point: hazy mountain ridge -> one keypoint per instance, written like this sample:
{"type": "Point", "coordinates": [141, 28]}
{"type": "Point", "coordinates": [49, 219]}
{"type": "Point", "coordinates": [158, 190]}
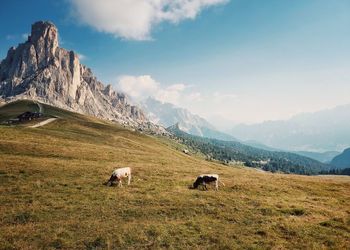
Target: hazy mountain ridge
{"type": "Point", "coordinates": [39, 69]}
{"type": "Point", "coordinates": [342, 160]}
{"type": "Point", "coordinates": [327, 130]}
{"type": "Point", "coordinates": [324, 157]}
{"type": "Point", "coordinates": [167, 114]}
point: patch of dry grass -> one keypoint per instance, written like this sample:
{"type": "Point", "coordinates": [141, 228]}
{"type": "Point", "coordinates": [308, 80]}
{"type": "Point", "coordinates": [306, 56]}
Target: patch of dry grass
{"type": "Point", "coordinates": [52, 196]}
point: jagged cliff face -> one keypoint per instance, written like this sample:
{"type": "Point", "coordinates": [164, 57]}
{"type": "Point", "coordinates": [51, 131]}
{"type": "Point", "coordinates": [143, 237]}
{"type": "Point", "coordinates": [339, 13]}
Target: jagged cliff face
{"type": "Point", "coordinates": [40, 70]}
{"type": "Point", "coordinates": [167, 114]}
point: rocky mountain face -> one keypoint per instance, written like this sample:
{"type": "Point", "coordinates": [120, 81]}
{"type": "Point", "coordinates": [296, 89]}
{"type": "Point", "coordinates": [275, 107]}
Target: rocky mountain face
{"type": "Point", "coordinates": [40, 70]}
{"type": "Point", "coordinates": [167, 114]}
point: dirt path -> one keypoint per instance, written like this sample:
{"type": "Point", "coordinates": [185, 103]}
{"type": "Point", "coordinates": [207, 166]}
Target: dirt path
{"type": "Point", "coordinates": [43, 123]}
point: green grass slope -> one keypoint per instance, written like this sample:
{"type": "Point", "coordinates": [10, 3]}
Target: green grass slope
{"type": "Point", "coordinates": [12, 110]}
{"type": "Point", "coordinates": [52, 195]}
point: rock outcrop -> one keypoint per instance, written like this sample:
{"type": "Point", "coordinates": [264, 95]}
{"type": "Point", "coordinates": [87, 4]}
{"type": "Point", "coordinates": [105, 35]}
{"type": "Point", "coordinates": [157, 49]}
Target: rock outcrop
{"type": "Point", "coordinates": [40, 70]}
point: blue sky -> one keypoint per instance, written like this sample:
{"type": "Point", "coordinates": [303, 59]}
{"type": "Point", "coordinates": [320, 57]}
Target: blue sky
{"type": "Point", "coordinates": [229, 61]}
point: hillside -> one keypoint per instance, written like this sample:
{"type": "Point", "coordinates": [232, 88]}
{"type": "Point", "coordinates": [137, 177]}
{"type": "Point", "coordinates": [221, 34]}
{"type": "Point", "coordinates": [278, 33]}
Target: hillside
{"type": "Point", "coordinates": [13, 109]}
{"type": "Point", "coordinates": [342, 160]}
{"type": "Point", "coordinates": [231, 151]}
{"type": "Point", "coordinates": [52, 194]}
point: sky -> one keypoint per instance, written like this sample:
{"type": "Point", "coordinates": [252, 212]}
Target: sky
{"type": "Point", "coordinates": [230, 61]}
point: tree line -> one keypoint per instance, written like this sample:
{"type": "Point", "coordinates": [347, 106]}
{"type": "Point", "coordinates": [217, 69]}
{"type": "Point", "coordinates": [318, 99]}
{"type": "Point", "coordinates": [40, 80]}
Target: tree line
{"type": "Point", "coordinates": [232, 151]}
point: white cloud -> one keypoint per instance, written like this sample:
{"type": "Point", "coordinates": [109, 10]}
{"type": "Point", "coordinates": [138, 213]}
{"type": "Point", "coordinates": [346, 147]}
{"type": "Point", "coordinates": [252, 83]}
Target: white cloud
{"type": "Point", "coordinates": [138, 87]}
{"type": "Point", "coordinates": [10, 37]}
{"type": "Point", "coordinates": [141, 87]}
{"type": "Point", "coordinates": [227, 105]}
{"type": "Point", "coordinates": [25, 36]}
{"type": "Point", "coordinates": [197, 96]}
{"type": "Point", "coordinates": [134, 19]}
{"type": "Point", "coordinates": [81, 57]}
{"type": "Point", "coordinates": [177, 87]}
{"type": "Point", "coordinates": [224, 96]}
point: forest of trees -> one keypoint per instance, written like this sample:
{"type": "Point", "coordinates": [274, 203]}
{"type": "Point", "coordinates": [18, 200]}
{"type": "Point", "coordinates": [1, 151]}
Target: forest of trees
{"type": "Point", "coordinates": [228, 151]}
{"type": "Point", "coordinates": [345, 171]}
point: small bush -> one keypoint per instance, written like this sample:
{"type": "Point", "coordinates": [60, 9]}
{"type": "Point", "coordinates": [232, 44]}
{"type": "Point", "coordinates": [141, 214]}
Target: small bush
{"type": "Point", "coordinates": [267, 211]}
{"type": "Point", "coordinates": [57, 244]}
{"type": "Point", "coordinates": [261, 233]}
{"type": "Point", "coordinates": [294, 211]}
{"type": "Point", "coordinates": [337, 223]}
{"type": "Point", "coordinates": [326, 224]}
{"type": "Point", "coordinates": [23, 218]}
{"type": "Point", "coordinates": [98, 243]}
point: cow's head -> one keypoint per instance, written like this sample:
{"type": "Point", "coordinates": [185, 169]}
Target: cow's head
{"type": "Point", "coordinates": [198, 181]}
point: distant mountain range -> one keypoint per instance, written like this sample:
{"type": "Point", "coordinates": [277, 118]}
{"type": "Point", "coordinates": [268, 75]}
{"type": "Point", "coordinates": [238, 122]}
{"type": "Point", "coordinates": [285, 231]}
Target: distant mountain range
{"type": "Point", "coordinates": [167, 114]}
{"type": "Point", "coordinates": [342, 161]}
{"type": "Point", "coordinates": [325, 157]}
{"type": "Point", "coordinates": [322, 131]}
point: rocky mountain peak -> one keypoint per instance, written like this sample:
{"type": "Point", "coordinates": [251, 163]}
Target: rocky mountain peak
{"type": "Point", "coordinates": [44, 30]}
{"type": "Point", "coordinates": [40, 70]}
{"type": "Point", "coordinates": [44, 38]}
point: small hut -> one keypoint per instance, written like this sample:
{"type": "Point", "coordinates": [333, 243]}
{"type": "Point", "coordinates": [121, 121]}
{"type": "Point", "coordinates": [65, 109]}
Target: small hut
{"type": "Point", "coordinates": [28, 116]}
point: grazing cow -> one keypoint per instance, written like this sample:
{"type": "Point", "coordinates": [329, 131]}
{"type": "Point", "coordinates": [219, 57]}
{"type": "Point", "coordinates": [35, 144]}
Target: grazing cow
{"type": "Point", "coordinates": [205, 179]}
{"type": "Point", "coordinates": [186, 151]}
{"type": "Point", "coordinates": [118, 174]}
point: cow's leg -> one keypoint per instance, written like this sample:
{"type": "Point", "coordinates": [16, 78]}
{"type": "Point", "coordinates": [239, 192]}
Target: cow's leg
{"type": "Point", "coordinates": [129, 179]}
{"type": "Point", "coordinates": [216, 185]}
{"type": "Point", "coordinates": [120, 184]}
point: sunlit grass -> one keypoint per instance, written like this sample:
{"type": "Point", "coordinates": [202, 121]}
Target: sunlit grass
{"type": "Point", "coordinates": [52, 196]}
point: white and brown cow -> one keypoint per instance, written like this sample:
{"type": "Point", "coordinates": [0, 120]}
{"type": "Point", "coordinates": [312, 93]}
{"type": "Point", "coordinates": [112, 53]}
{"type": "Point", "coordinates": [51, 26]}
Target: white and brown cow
{"type": "Point", "coordinates": [119, 174]}
{"type": "Point", "coordinates": [205, 179]}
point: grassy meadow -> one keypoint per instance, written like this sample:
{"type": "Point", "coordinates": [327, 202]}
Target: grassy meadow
{"type": "Point", "coordinates": [52, 195]}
